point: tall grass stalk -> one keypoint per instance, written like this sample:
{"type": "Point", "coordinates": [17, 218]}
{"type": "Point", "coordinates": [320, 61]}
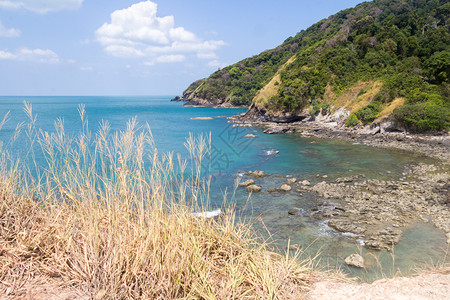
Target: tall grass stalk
{"type": "Point", "coordinates": [112, 217]}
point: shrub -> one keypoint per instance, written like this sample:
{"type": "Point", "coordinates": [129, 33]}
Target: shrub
{"type": "Point", "coordinates": [351, 121]}
{"type": "Point", "coordinates": [369, 112]}
{"type": "Point", "coordinates": [315, 108]}
{"type": "Point", "coordinates": [421, 117]}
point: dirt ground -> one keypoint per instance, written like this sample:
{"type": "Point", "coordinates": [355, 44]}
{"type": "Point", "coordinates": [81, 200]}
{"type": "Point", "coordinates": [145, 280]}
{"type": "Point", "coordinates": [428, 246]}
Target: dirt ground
{"type": "Point", "coordinates": [428, 285]}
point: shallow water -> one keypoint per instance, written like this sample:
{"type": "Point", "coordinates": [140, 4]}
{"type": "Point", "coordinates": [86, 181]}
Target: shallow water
{"type": "Point", "coordinates": [233, 154]}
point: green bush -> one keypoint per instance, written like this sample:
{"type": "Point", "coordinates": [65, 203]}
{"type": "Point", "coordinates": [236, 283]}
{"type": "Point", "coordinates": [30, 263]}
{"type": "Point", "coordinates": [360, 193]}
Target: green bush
{"type": "Point", "coordinates": [325, 108]}
{"type": "Point", "coordinates": [315, 108]}
{"type": "Point", "coordinates": [369, 112]}
{"type": "Point", "coordinates": [351, 121]}
{"type": "Point", "coordinates": [421, 117]}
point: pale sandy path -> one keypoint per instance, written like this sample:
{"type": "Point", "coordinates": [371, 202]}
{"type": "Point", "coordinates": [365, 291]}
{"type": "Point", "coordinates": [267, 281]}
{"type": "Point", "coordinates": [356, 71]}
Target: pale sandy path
{"type": "Point", "coordinates": [425, 286]}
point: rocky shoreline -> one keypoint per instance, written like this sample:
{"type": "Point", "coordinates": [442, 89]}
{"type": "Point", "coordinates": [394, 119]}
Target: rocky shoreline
{"type": "Point", "coordinates": [382, 135]}
{"type": "Point", "coordinates": [374, 212]}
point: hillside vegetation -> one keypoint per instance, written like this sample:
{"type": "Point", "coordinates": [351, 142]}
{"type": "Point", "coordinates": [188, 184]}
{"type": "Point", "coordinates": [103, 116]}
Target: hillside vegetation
{"type": "Point", "coordinates": [400, 49]}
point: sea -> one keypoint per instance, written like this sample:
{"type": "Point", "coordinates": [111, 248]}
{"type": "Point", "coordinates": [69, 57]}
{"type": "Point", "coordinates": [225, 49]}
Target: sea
{"type": "Point", "coordinates": [233, 153]}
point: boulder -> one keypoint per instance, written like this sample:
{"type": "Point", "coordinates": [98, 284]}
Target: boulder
{"type": "Point", "coordinates": [247, 183]}
{"type": "Point", "coordinates": [285, 188]}
{"type": "Point", "coordinates": [294, 211]}
{"type": "Point", "coordinates": [354, 260]}
{"type": "Point", "coordinates": [254, 188]}
{"type": "Point", "coordinates": [291, 180]}
{"type": "Point", "coordinates": [306, 183]}
{"type": "Point", "coordinates": [250, 135]}
{"type": "Point", "coordinates": [257, 173]}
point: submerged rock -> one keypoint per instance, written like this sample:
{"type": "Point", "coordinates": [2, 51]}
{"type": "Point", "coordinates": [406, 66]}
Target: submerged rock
{"type": "Point", "coordinates": [254, 188]}
{"type": "Point", "coordinates": [202, 118]}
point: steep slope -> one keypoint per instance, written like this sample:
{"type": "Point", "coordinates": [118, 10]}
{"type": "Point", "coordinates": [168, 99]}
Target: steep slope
{"type": "Point", "coordinates": [381, 59]}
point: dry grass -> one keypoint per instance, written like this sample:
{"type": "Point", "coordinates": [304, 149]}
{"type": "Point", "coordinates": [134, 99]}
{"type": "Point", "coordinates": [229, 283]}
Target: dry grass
{"type": "Point", "coordinates": [271, 89]}
{"type": "Point", "coordinates": [112, 219]}
{"type": "Point", "coordinates": [389, 109]}
{"type": "Point", "coordinates": [349, 99]}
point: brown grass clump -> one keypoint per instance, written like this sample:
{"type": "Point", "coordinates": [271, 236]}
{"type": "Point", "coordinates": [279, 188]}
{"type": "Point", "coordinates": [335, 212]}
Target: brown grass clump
{"type": "Point", "coordinates": [389, 109]}
{"type": "Point", "coordinates": [271, 88]}
{"type": "Point", "coordinates": [110, 218]}
{"type": "Point", "coordinates": [352, 98]}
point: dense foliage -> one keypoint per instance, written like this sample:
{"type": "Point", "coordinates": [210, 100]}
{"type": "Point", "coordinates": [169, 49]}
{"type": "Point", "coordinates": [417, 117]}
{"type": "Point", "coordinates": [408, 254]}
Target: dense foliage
{"type": "Point", "coordinates": [405, 44]}
{"type": "Point", "coordinates": [240, 82]}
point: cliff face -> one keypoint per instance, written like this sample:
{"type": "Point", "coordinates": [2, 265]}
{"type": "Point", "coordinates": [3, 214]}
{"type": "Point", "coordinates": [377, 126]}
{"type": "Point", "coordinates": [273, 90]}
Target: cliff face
{"type": "Point", "coordinates": [380, 60]}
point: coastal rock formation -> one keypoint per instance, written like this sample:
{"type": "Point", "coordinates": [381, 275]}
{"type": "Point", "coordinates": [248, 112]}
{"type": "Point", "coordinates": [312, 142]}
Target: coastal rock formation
{"type": "Point", "coordinates": [376, 211]}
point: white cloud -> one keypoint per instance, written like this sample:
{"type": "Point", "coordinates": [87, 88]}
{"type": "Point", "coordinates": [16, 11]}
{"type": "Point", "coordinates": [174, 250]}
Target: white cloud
{"type": "Point", "coordinates": [137, 32]}
{"type": "Point", "coordinates": [171, 58]}
{"type": "Point", "coordinates": [9, 32]}
{"type": "Point", "coordinates": [87, 69]}
{"type": "Point", "coordinates": [206, 55]}
{"type": "Point", "coordinates": [41, 6]}
{"type": "Point", "coordinates": [33, 55]}
{"type": "Point", "coordinates": [217, 64]}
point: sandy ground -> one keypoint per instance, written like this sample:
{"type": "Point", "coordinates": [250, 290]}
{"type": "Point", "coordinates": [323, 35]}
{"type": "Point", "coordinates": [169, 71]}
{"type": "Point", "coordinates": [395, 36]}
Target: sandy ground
{"type": "Point", "coordinates": [429, 285]}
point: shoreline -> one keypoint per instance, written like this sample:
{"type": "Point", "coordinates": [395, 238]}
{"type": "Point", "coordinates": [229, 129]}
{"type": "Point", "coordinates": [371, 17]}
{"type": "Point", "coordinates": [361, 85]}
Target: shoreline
{"type": "Point", "coordinates": [435, 146]}
{"type": "Point", "coordinates": [377, 211]}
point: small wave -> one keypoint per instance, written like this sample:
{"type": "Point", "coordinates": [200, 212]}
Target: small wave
{"type": "Point", "coordinates": [272, 152]}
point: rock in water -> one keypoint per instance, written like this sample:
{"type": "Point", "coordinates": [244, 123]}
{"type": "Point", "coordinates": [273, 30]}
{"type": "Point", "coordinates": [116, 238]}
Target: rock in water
{"type": "Point", "coordinates": [355, 260]}
{"type": "Point", "coordinates": [257, 173]}
{"type": "Point", "coordinates": [202, 118]}
{"type": "Point", "coordinates": [254, 188]}
{"type": "Point", "coordinates": [294, 211]}
{"type": "Point", "coordinates": [291, 180]}
{"type": "Point", "coordinates": [285, 188]}
{"type": "Point", "coordinates": [306, 183]}
{"type": "Point", "coordinates": [247, 183]}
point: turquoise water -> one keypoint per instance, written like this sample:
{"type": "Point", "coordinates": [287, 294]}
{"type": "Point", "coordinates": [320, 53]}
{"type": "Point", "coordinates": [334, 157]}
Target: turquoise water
{"type": "Point", "coordinates": [233, 154]}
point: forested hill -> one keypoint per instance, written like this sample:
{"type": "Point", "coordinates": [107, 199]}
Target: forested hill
{"type": "Point", "coordinates": [381, 59]}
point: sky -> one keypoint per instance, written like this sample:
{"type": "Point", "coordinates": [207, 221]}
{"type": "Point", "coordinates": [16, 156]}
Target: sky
{"type": "Point", "coordinates": [132, 47]}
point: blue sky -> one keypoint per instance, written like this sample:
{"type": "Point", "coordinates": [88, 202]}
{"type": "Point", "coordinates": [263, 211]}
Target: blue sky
{"type": "Point", "coordinates": [131, 47]}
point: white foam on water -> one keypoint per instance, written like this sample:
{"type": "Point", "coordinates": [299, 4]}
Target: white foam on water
{"type": "Point", "coordinates": [271, 152]}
